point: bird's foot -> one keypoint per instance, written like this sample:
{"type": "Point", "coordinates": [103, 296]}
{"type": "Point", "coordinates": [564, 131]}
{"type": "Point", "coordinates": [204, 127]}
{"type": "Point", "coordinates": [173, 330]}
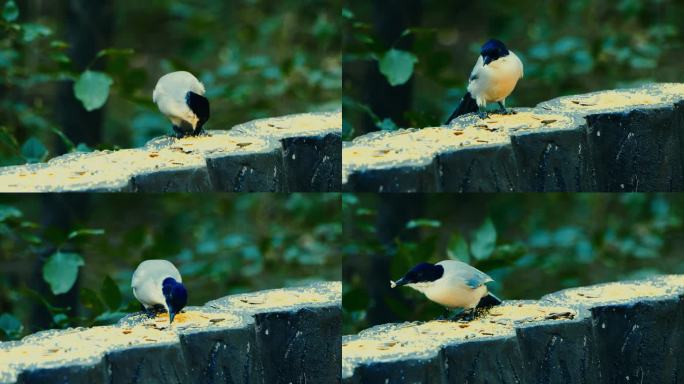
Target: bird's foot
{"type": "Point", "coordinates": [201, 133]}
{"type": "Point", "coordinates": [483, 114]}
{"type": "Point", "coordinates": [466, 315]}
{"type": "Point", "coordinates": [445, 315]}
{"type": "Point", "coordinates": [507, 112]}
{"type": "Point", "coordinates": [152, 312]}
{"type": "Point", "coordinates": [180, 132]}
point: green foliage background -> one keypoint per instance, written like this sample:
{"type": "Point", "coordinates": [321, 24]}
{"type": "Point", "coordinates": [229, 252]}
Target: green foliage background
{"type": "Point", "coordinates": [257, 58]}
{"type": "Point", "coordinates": [222, 244]}
{"type": "Point", "coordinates": [567, 47]}
{"type": "Point", "coordinates": [531, 244]}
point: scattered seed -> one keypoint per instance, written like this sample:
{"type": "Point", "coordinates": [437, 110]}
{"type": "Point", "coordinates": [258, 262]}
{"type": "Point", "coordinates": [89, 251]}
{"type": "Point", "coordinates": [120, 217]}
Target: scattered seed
{"type": "Point", "coordinates": [458, 133]}
{"type": "Point", "coordinates": [213, 321]}
{"type": "Point", "coordinates": [242, 145]}
{"type": "Point", "coordinates": [548, 121]}
{"type": "Point", "coordinates": [154, 154]}
{"type": "Point", "coordinates": [487, 333]}
{"type": "Point", "coordinates": [560, 315]}
{"type": "Point", "coordinates": [127, 331]}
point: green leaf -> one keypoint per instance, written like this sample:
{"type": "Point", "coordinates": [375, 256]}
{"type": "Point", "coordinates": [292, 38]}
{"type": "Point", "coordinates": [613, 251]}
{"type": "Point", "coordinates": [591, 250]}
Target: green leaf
{"type": "Point", "coordinates": [10, 325]}
{"type": "Point", "coordinates": [85, 232]}
{"type": "Point", "coordinates": [387, 125]}
{"type": "Point", "coordinates": [34, 31]}
{"type": "Point", "coordinates": [9, 212]}
{"type": "Point", "coordinates": [10, 12]}
{"type": "Point", "coordinates": [110, 293]}
{"type": "Point", "coordinates": [423, 223]}
{"type": "Point", "coordinates": [59, 44]}
{"type": "Point", "coordinates": [347, 13]}
{"type": "Point", "coordinates": [115, 52]}
{"type": "Point", "coordinates": [92, 89]}
{"type": "Point", "coordinates": [90, 300]}
{"type": "Point", "coordinates": [8, 139]}
{"type": "Point", "coordinates": [33, 151]}
{"type": "Point", "coordinates": [61, 270]}
{"type": "Point", "coordinates": [458, 248]}
{"type": "Point", "coordinates": [397, 66]}
{"type": "Point", "coordinates": [484, 240]}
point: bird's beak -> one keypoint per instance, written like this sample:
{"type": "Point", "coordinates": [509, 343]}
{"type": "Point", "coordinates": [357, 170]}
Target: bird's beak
{"type": "Point", "coordinates": [398, 283]}
{"type": "Point", "coordinates": [171, 316]}
{"type": "Point", "coordinates": [487, 60]}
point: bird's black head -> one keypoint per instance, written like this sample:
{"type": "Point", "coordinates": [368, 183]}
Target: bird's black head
{"type": "Point", "coordinates": [492, 50]}
{"type": "Point", "coordinates": [176, 296]}
{"type": "Point", "coordinates": [199, 105]}
{"type": "Point", "coordinates": [421, 273]}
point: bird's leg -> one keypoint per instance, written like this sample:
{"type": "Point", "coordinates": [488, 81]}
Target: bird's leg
{"type": "Point", "coordinates": [149, 311]}
{"type": "Point", "coordinates": [444, 315]}
{"type": "Point", "coordinates": [505, 111]}
{"type": "Point", "coordinates": [482, 112]}
{"type": "Point", "coordinates": [466, 315]}
{"type": "Point", "coordinates": [179, 132]}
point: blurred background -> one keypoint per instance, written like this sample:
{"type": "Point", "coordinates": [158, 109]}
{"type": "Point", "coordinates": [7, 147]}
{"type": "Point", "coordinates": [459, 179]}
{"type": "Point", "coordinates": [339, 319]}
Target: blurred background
{"type": "Point", "coordinates": [406, 62]}
{"type": "Point", "coordinates": [67, 260]}
{"type": "Point", "coordinates": [530, 244]}
{"type": "Point", "coordinates": [78, 75]}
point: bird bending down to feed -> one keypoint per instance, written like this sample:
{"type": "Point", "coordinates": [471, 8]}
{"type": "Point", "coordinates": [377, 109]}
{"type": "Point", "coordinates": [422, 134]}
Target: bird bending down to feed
{"type": "Point", "coordinates": [493, 78]}
{"type": "Point", "coordinates": [180, 97]}
{"type": "Point", "coordinates": [158, 283]}
{"type": "Point", "coordinates": [452, 284]}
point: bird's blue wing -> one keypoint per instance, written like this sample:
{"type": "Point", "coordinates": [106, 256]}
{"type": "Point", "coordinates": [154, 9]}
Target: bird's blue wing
{"type": "Point", "coordinates": [476, 278]}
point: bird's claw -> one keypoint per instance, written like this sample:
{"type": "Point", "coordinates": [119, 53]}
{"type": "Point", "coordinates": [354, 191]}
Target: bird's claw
{"type": "Point", "coordinates": [483, 115]}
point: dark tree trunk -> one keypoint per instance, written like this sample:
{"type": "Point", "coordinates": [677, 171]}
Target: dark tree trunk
{"type": "Point", "coordinates": [390, 18]}
{"type": "Point", "coordinates": [89, 29]}
{"type": "Point", "coordinates": [62, 212]}
{"type": "Point", "coordinates": [394, 211]}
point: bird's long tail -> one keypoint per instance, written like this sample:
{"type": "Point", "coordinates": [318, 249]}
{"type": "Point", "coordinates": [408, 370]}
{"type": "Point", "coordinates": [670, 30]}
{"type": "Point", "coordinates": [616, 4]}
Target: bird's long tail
{"type": "Point", "coordinates": [467, 105]}
{"type": "Point", "coordinates": [488, 301]}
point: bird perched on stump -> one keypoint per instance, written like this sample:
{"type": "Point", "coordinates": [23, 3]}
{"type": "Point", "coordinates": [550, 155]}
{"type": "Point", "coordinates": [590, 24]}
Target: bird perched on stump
{"type": "Point", "coordinates": [493, 78]}
{"type": "Point", "coordinates": [158, 283]}
{"type": "Point", "coordinates": [180, 97]}
{"type": "Point", "coordinates": [452, 284]}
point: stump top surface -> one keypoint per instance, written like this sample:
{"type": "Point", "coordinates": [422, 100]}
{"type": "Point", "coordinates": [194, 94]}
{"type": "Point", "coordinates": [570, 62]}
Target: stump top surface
{"type": "Point", "coordinates": [408, 340]}
{"type": "Point", "coordinates": [419, 146]}
{"type": "Point", "coordinates": [57, 348]}
{"type": "Point", "coordinates": [83, 346]}
{"type": "Point", "coordinates": [620, 292]}
{"type": "Point", "coordinates": [318, 294]}
{"type": "Point", "coordinates": [618, 100]}
{"type": "Point", "coordinates": [294, 125]}
{"type": "Point", "coordinates": [112, 170]}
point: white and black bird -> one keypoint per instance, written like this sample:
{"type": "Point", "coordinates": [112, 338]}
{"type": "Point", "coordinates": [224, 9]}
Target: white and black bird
{"type": "Point", "coordinates": [493, 78]}
{"type": "Point", "coordinates": [158, 283]}
{"type": "Point", "coordinates": [180, 97]}
{"type": "Point", "coordinates": [450, 283]}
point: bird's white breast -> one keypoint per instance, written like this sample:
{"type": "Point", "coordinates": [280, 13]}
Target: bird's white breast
{"type": "Point", "coordinates": [495, 81]}
{"type": "Point", "coordinates": [451, 294]}
{"type": "Point", "coordinates": [453, 289]}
